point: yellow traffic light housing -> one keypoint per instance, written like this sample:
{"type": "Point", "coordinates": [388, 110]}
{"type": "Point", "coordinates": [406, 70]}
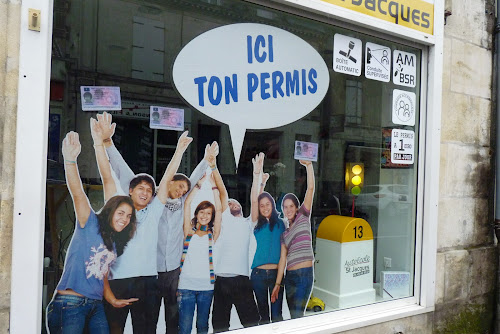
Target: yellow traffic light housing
{"type": "Point", "coordinates": [354, 177]}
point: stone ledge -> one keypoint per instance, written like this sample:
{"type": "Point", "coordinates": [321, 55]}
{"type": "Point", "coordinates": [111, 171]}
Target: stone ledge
{"type": "Point", "coordinates": [466, 273]}
{"type": "Point", "coordinates": [465, 312]}
{"type": "Point", "coordinates": [456, 275]}
{"type": "Point", "coordinates": [440, 263]}
{"type": "Point", "coordinates": [419, 324]}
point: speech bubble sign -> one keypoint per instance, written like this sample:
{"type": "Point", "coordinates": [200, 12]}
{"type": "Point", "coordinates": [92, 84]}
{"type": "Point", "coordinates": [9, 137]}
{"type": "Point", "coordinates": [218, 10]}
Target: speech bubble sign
{"type": "Point", "coordinates": [250, 76]}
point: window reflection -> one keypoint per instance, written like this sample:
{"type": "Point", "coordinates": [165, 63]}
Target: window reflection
{"type": "Point", "coordinates": [353, 124]}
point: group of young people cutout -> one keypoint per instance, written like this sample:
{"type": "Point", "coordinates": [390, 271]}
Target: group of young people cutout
{"type": "Point", "coordinates": [144, 248]}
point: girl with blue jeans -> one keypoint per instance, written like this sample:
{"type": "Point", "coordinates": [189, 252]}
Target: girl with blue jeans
{"type": "Point", "coordinates": [97, 241]}
{"type": "Point", "coordinates": [196, 281]}
{"type": "Point", "coordinates": [296, 247]}
{"type": "Point", "coordinates": [268, 230]}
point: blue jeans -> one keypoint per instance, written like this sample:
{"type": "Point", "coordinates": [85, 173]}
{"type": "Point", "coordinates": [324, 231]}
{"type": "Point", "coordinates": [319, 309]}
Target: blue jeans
{"type": "Point", "coordinates": [72, 314]}
{"type": "Point", "coordinates": [263, 281]}
{"type": "Point", "coordinates": [298, 286]}
{"type": "Point", "coordinates": [187, 299]}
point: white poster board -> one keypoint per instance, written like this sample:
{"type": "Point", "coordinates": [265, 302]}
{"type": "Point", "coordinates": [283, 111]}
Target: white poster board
{"type": "Point", "coordinates": [402, 146]}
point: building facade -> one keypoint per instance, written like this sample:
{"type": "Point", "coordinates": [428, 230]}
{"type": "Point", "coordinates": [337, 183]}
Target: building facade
{"type": "Point", "coordinates": [436, 230]}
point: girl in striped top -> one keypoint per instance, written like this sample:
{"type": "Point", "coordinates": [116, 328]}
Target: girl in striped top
{"type": "Point", "coordinates": [296, 247]}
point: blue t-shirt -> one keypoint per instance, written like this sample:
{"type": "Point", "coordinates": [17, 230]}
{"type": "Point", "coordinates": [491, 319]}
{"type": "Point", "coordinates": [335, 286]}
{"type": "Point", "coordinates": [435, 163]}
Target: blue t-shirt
{"type": "Point", "coordinates": [87, 261]}
{"type": "Point", "coordinates": [268, 244]}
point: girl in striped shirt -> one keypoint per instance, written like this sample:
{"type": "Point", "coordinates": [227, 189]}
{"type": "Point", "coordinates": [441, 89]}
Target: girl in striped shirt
{"type": "Point", "coordinates": [296, 247]}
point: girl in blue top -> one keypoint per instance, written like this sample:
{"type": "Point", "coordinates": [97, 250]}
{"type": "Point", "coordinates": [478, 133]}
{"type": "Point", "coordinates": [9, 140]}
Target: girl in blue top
{"type": "Point", "coordinates": [268, 253]}
{"type": "Point", "coordinates": [97, 241]}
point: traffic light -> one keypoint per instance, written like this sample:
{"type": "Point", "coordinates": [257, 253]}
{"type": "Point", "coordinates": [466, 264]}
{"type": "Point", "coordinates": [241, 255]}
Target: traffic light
{"type": "Point", "coordinates": [354, 177]}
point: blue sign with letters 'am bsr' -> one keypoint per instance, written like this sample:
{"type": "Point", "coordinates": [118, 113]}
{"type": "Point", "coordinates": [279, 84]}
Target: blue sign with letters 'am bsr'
{"type": "Point", "coordinates": [250, 76]}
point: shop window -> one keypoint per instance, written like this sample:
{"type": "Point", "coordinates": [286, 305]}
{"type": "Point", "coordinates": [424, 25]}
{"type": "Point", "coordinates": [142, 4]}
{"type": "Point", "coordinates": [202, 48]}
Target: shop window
{"type": "Point", "coordinates": [354, 125]}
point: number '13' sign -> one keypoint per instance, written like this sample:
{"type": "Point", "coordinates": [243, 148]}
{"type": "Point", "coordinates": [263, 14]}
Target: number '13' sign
{"type": "Point", "coordinates": [358, 232]}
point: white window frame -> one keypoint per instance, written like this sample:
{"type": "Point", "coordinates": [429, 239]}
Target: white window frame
{"type": "Point", "coordinates": [30, 177]}
{"type": "Point", "coordinates": [31, 167]}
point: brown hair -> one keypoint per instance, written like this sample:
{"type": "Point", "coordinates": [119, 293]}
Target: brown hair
{"type": "Point", "coordinates": [108, 233]}
{"type": "Point", "coordinates": [274, 219]}
{"type": "Point", "coordinates": [182, 177]}
{"type": "Point", "coordinates": [202, 206]}
{"type": "Point", "coordinates": [140, 178]}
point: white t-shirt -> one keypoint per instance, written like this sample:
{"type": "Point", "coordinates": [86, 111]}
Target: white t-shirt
{"type": "Point", "coordinates": [195, 273]}
{"type": "Point", "coordinates": [139, 256]}
{"type": "Point", "coordinates": [235, 246]}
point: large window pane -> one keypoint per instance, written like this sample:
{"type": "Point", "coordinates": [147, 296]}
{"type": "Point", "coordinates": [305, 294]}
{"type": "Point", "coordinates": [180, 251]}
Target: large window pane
{"type": "Point", "coordinates": [133, 45]}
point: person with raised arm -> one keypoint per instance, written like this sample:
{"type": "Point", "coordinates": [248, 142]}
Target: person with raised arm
{"type": "Point", "coordinates": [97, 241]}
{"type": "Point", "coordinates": [296, 247]}
{"type": "Point", "coordinates": [170, 228]}
{"type": "Point", "coordinates": [235, 250]}
{"type": "Point", "coordinates": [197, 278]}
{"type": "Point", "coordinates": [135, 272]}
{"type": "Point", "coordinates": [267, 231]}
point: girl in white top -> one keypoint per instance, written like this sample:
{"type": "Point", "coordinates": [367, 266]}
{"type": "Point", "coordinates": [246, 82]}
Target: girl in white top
{"type": "Point", "coordinates": [196, 281]}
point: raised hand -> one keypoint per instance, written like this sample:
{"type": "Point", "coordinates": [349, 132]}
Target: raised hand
{"type": "Point", "coordinates": [258, 163]}
{"type": "Point", "coordinates": [70, 150]}
{"type": "Point", "coordinates": [96, 132]}
{"type": "Point", "coordinates": [106, 128]}
{"type": "Point", "coordinates": [305, 163]}
{"type": "Point", "coordinates": [71, 147]}
{"type": "Point", "coordinates": [308, 198]}
{"type": "Point", "coordinates": [265, 177]}
{"type": "Point", "coordinates": [183, 142]}
{"type": "Point", "coordinates": [211, 152]}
